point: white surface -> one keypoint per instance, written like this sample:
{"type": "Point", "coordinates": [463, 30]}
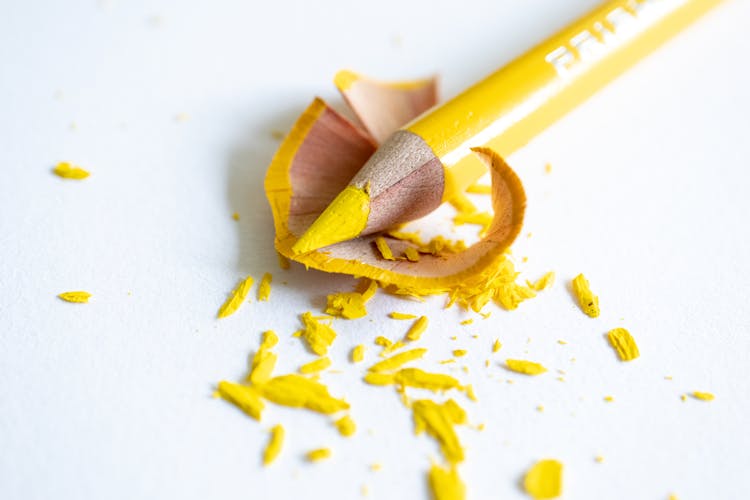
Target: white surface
{"type": "Point", "coordinates": [113, 399]}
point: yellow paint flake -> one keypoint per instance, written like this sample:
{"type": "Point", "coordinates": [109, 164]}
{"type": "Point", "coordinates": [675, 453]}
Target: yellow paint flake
{"type": "Point", "coordinates": [383, 341]}
{"type": "Point", "coordinates": [397, 361]}
{"type": "Point", "coordinates": [264, 288]}
{"type": "Point", "coordinates": [297, 391]}
{"type": "Point", "coordinates": [318, 455]}
{"type": "Point", "coordinates": [703, 396]}
{"type": "Point", "coordinates": [270, 339]}
{"type": "Point", "coordinates": [78, 297]}
{"type": "Point", "coordinates": [346, 426]}
{"type": "Point", "coordinates": [236, 216]}
{"type": "Point", "coordinates": [283, 262]}
{"type": "Point", "coordinates": [261, 366]}
{"type": "Point", "coordinates": [586, 299]}
{"type": "Point", "coordinates": [623, 343]}
{"type": "Point", "coordinates": [544, 480]}
{"type": "Point", "coordinates": [562, 342]}
{"type": "Point", "coordinates": [274, 444]}
{"type": "Point", "coordinates": [417, 329]}
{"type": "Point", "coordinates": [349, 305]}
{"type": "Point", "coordinates": [525, 367]}
{"type": "Point", "coordinates": [447, 361]}
{"type": "Point", "coordinates": [315, 366]}
{"type": "Point", "coordinates": [420, 379]}
{"type": "Point", "coordinates": [319, 336]}
{"type": "Point", "coordinates": [376, 467]}
{"type": "Point", "coordinates": [467, 321]}
{"type": "Point", "coordinates": [245, 398]}
{"type": "Point", "coordinates": [68, 171]}
{"type": "Point", "coordinates": [379, 378]}
{"type": "Point", "coordinates": [384, 249]}
{"type": "Point", "coordinates": [543, 283]}
{"type": "Point", "coordinates": [411, 254]}
{"type": "Point", "coordinates": [459, 352]}
{"type": "Point", "coordinates": [438, 421]}
{"type": "Point", "coordinates": [236, 298]}
{"type": "Point", "coordinates": [445, 484]}
{"type": "Point", "coordinates": [609, 399]}
{"type": "Point", "coordinates": [358, 353]}
{"type": "Point", "coordinates": [496, 345]}
{"type": "Point", "coordinates": [599, 459]}
{"type": "Point", "coordinates": [479, 189]}
{"type": "Point", "coordinates": [398, 315]}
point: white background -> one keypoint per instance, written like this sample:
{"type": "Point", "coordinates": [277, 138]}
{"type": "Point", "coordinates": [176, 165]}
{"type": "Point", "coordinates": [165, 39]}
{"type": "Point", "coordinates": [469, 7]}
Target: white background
{"type": "Point", "coordinates": [647, 196]}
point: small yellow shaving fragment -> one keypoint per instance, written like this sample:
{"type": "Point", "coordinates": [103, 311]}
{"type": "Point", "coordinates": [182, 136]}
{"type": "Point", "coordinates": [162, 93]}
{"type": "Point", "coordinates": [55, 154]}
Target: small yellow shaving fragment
{"type": "Point", "coordinates": [586, 299]}
{"type": "Point", "coordinates": [274, 444]}
{"type": "Point", "coordinates": [525, 367]}
{"type": "Point", "coordinates": [438, 420]}
{"type": "Point", "coordinates": [315, 366]}
{"type": "Point", "coordinates": [376, 467]}
{"type": "Point", "coordinates": [264, 288]}
{"type": "Point", "coordinates": [417, 329]}
{"type": "Point", "coordinates": [383, 341]}
{"type": "Point", "coordinates": [245, 398]}
{"type": "Point", "coordinates": [445, 484]}
{"type": "Point", "coordinates": [236, 298]}
{"type": "Point", "coordinates": [319, 454]}
{"type": "Point", "coordinates": [544, 282]}
{"type": "Point", "coordinates": [496, 345]}
{"type": "Point", "coordinates": [398, 315]}
{"type": "Point", "coordinates": [346, 426]}
{"type": "Point", "coordinates": [609, 399]}
{"type": "Point", "coordinates": [384, 249]}
{"type": "Point", "coordinates": [297, 391]}
{"type": "Point", "coordinates": [379, 378]}
{"type": "Point", "coordinates": [467, 321]}
{"type": "Point", "coordinates": [420, 379]}
{"type": "Point", "coordinates": [263, 361]}
{"type": "Point", "coordinates": [624, 343]}
{"type": "Point", "coordinates": [68, 171]}
{"type": "Point", "coordinates": [319, 336]}
{"type": "Point", "coordinates": [397, 361]}
{"type": "Point", "coordinates": [479, 189]}
{"type": "Point", "coordinates": [497, 284]}
{"type": "Point", "coordinates": [411, 254]}
{"type": "Point", "coordinates": [459, 352]}
{"type": "Point", "coordinates": [544, 480]}
{"type": "Point", "coordinates": [350, 305]}
{"type": "Point", "coordinates": [358, 353]}
{"type": "Point", "coordinates": [79, 297]}
{"type": "Point", "coordinates": [703, 396]}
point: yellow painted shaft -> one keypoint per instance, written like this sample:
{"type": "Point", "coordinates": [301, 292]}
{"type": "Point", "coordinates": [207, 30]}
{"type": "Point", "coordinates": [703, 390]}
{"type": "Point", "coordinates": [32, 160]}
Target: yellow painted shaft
{"type": "Point", "coordinates": [511, 106]}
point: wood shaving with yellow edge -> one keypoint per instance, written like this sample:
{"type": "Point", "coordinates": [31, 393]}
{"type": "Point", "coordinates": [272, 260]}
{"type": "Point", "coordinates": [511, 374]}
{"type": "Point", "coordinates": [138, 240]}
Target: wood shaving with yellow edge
{"type": "Point", "coordinates": [544, 480]}
{"type": "Point", "coordinates": [245, 398]}
{"type": "Point", "coordinates": [586, 299]}
{"type": "Point", "coordinates": [346, 426]}
{"type": "Point", "coordinates": [358, 353]}
{"type": "Point", "coordinates": [264, 288]}
{"type": "Point", "coordinates": [397, 361]}
{"type": "Point", "coordinates": [319, 336]}
{"type": "Point", "coordinates": [445, 484]}
{"type": "Point", "coordinates": [78, 297]}
{"type": "Point", "coordinates": [68, 171]}
{"type": "Point", "coordinates": [274, 444]}
{"type": "Point", "coordinates": [315, 366]}
{"type": "Point", "coordinates": [438, 421]}
{"type": "Point", "coordinates": [623, 343]}
{"type": "Point", "coordinates": [318, 455]}
{"type": "Point", "coordinates": [525, 367]}
{"type": "Point", "coordinates": [296, 391]}
{"type": "Point", "coordinates": [417, 329]}
{"type": "Point", "coordinates": [236, 298]}
{"type": "Point", "coordinates": [703, 396]}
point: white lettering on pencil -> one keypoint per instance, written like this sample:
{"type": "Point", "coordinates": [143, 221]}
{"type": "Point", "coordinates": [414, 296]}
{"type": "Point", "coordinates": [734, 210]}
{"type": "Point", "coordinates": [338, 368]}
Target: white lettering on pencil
{"type": "Point", "coordinates": [588, 44]}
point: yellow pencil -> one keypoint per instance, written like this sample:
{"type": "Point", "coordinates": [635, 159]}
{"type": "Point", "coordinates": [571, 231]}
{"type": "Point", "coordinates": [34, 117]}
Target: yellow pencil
{"type": "Point", "coordinates": [504, 111]}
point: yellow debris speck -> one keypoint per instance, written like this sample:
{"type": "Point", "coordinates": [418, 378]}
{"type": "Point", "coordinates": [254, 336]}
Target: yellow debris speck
{"type": "Point", "coordinates": [358, 353]}
{"type": "Point", "coordinates": [544, 480]}
{"type": "Point", "coordinates": [68, 171]}
{"type": "Point", "coordinates": [703, 396]}
{"type": "Point", "coordinates": [397, 361]}
{"type": "Point", "coordinates": [365, 490]}
{"type": "Point", "coordinates": [683, 397]}
{"type": "Point", "coordinates": [599, 459]}
{"type": "Point", "coordinates": [315, 366]}
{"type": "Point", "coordinates": [376, 467]}
{"type": "Point", "coordinates": [623, 343]}
{"type": "Point", "coordinates": [182, 117]}
{"type": "Point", "coordinates": [319, 454]}
{"type": "Point", "coordinates": [274, 444]}
{"type": "Point", "coordinates": [673, 497]}
{"type": "Point", "coordinates": [548, 168]}
{"type": "Point", "coordinates": [384, 249]}
{"type": "Point", "coordinates": [417, 329]}
{"type": "Point", "coordinates": [540, 408]}
{"type": "Point", "coordinates": [586, 299]}
{"type": "Point", "coordinates": [236, 216]}
{"type": "Point", "coordinates": [297, 391]}
{"type": "Point", "coordinates": [459, 352]}
{"type": "Point", "coordinates": [445, 484]}
{"type": "Point", "coordinates": [78, 297]}
{"type": "Point", "coordinates": [346, 426]}
{"type": "Point", "coordinates": [264, 288]}
{"type": "Point", "coordinates": [467, 321]}
{"type": "Point", "coordinates": [525, 367]}
{"type": "Point", "coordinates": [609, 399]}
{"type": "Point", "coordinates": [560, 379]}
{"type": "Point", "coordinates": [398, 315]}
{"type": "Point", "coordinates": [447, 361]}
{"type": "Point", "coordinates": [562, 342]}
{"type": "Point", "coordinates": [383, 341]}
{"type": "Point", "coordinates": [319, 336]}
{"type": "Point", "coordinates": [245, 398]}
{"type": "Point", "coordinates": [438, 421]}
{"type": "Point", "coordinates": [496, 345]}
{"type": "Point", "coordinates": [668, 377]}
{"type": "Point", "coordinates": [236, 298]}
{"type": "Point", "coordinates": [411, 254]}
